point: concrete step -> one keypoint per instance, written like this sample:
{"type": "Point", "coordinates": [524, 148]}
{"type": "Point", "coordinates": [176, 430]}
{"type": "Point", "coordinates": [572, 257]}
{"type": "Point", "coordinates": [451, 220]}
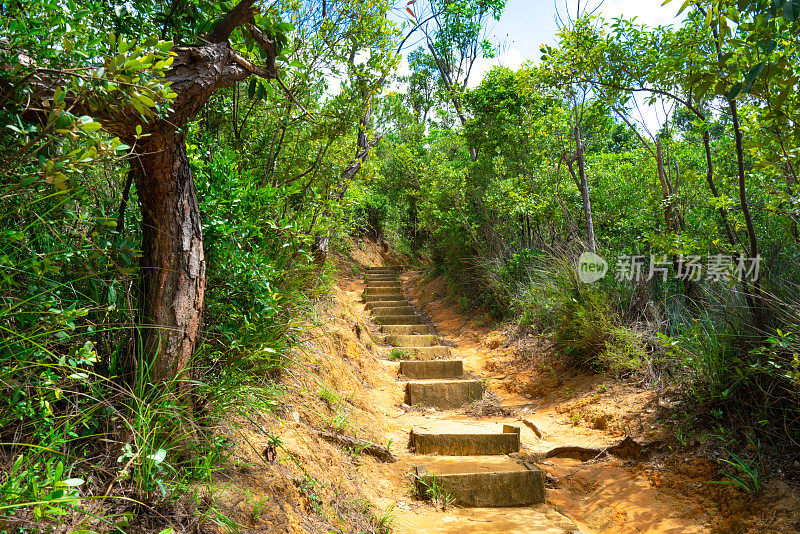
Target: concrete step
{"type": "Point", "coordinates": [406, 329]}
{"type": "Point", "coordinates": [403, 309]}
{"type": "Point", "coordinates": [383, 283]}
{"type": "Point", "coordinates": [428, 353]}
{"type": "Point", "coordinates": [382, 298]}
{"type": "Point", "coordinates": [443, 394]}
{"type": "Point", "coordinates": [382, 270]}
{"type": "Point", "coordinates": [371, 291]}
{"type": "Point", "coordinates": [447, 438]}
{"type": "Point", "coordinates": [413, 340]}
{"type": "Point", "coordinates": [386, 303]}
{"type": "Point", "coordinates": [399, 319]}
{"type": "Point", "coordinates": [432, 369]}
{"type": "Point", "coordinates": [482, 481]}
{"type": "Point", "coordinates": [381, 276]}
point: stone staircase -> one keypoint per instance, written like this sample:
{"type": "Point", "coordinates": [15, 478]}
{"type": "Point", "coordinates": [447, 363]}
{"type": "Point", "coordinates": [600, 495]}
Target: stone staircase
{"type": "Point", "coordinates": [467, 461]}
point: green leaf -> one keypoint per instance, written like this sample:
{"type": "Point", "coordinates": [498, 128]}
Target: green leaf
{"type": "Point", "coordinates": [73, 482]}
{"type": "Point", "coordinates": [734, 92]}
{"type": "Point", "coordinates": [90, 126]}
{"type": "Point", "coordinates": [139, 107]}
{"type": "Point", "coordinates": [159, 456]}
{"type": "Point", "coordinates": [146, 100]}
{"type": "Point", "coordinates": [751, 76]}
{"type": "Point", "coordinates": [791, 10]}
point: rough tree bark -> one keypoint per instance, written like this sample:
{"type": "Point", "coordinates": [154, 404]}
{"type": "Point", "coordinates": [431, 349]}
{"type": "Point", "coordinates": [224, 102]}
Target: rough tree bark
{"type": "Point", "coordinates": [173, 266]}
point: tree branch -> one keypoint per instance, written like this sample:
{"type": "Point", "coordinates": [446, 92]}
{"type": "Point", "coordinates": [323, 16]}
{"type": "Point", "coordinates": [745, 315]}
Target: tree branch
{"type": "Point", "coordinates": [350, 171]}
{"type": "Point", "coordinates": [241, 13]}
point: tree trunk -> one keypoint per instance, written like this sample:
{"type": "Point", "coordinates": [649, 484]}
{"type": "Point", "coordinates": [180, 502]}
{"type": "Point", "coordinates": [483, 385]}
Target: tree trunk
{"type": "Point", "coordinates": [712, 186]}
{"type": "Point", "coordinates": [755, 299]}
{"type": "Point", "coordinates": [173, 265]}
{"type": "Point", "coordinates": [584, 187]}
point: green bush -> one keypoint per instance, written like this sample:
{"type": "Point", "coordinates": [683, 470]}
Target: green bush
{"type": "Point", "coordinates": [579, 318]}
{"type": "Point", "coordinates": [624, 352]}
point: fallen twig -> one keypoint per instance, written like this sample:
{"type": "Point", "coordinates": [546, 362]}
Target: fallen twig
{"type": "Point", "coordinates": [360, 445]}
{"type": "Point", "coordinates": [627, 449]}
{"type": "Point", "coordinates": [533, 427]}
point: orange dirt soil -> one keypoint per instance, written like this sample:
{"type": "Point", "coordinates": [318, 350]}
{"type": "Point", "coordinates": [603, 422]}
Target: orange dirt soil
{"type": "Point", "coordinates": [669, 493]}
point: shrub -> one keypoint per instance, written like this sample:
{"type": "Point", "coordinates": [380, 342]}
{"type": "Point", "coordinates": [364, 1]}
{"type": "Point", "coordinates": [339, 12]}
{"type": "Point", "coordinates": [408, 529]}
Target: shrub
{"type": "Point", "coordinates": [624, 352]}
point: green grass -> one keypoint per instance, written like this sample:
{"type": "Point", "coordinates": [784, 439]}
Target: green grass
{"type": "Point", "coordinates": [429, 488]}
{"type": "Point", "coordinates": [401, 354]}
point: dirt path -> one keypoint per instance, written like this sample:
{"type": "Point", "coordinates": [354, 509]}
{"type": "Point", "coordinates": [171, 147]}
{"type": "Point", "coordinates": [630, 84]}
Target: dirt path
{"type": "Point", "coordinates": [603, 496]}
{"type": "Point", "coordinates": [418, 516]}
{"type": "Point", "coordinates": [668, 493]}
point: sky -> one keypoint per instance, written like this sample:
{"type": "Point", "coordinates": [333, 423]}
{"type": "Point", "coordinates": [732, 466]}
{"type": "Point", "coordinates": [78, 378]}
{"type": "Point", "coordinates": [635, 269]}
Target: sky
{"type": "Point", "coordinates": [526, 24]}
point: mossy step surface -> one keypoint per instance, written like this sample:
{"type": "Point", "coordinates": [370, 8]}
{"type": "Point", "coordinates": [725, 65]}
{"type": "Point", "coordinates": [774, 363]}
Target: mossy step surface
{"type": "Point", "coordinates": [382, 298]}
{"type": "Point", "coordinates": [406, 329]}
{"type": "Point", "coordinates": [482, 481]}
{"type": "Point", "coordinates": [397, 292]}
{"type": "Point", "coordinates": [426, 353]}
{"type": "Point", "coordinates": [400, 319]}
{"type": "Point", "coordinates": [412, 340]}
{"type": "Point", "coordinates": [431, 369]}
{"type": "Point", "coordinates": [447, 438]}
{"type": "Point", "coordinates": [386, 303]}
{"type": "Point", "coordinates": [383, 283]}
{"type": "Point", "coordinates": [402, 309]}
{"type": "Point", "coordinates": [443, 394]}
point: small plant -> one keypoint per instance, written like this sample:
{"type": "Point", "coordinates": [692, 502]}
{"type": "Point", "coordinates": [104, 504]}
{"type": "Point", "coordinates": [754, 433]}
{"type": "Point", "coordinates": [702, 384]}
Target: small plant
{"type": "Point", "coordinates": [400, 354]}
{"type": "Point", "coordinates": [48, 493]}
{"type": "Point", "coordinates": [328, 396]}
{"type": "Point", "coordinates": [624, 351]}
{"type": "Point", "coordinates": [259, 507]}
{"type": "Point", "coordinates": [428, 488]}
{"type": "Point", "coordinates": [340, 421]}
{"type": "Point", "coordinates": [385, 521]}
{"type": "Point", "coordinates": [744, 475]}
{"type": "Point", "coordinates": [309, 487]}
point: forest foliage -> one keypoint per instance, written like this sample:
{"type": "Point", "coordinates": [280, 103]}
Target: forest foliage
{"type": "Point", "coordinates": [303, 135]}
{"type": "Point", "coordinates": [556, 158]}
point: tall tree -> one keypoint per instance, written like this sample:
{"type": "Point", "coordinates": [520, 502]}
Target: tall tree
{"type": "Point", "coordinates": [153, 123]}
{"type": "Point", "coordinates": [453, 31]}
